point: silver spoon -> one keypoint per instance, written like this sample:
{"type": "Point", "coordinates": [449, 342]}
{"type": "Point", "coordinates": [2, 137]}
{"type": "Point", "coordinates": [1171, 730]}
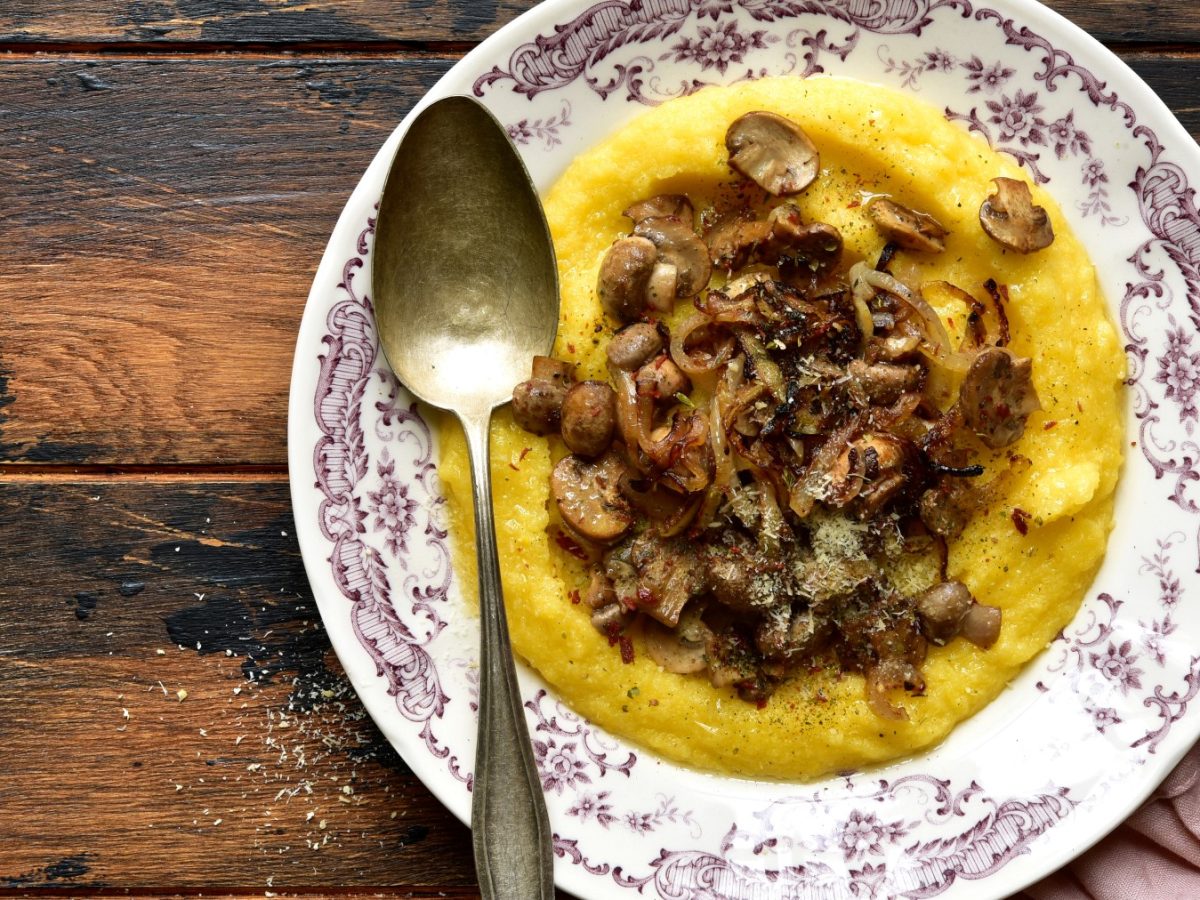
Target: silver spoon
{"type": "Point", "coordinates": [466, 294]}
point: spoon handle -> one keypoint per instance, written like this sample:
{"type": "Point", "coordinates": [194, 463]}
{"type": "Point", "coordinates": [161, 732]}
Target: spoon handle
{"type": "Point", "coordinates": [510, 830]}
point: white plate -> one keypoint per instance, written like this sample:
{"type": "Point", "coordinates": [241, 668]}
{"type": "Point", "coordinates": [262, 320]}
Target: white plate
{"type": "Point", "coordinates": [1089, 728]}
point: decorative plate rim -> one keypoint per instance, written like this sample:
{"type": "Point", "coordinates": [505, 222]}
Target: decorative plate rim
{"type": "Point", "coordinates": [574, 869]}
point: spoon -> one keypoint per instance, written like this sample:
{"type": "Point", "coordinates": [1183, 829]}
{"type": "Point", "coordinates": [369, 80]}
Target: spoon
{"type": "Point", "coordinates": [466, 294]}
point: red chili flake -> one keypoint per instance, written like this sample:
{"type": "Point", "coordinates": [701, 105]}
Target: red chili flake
{"type": "Point", "coordinates": [626, 649]}
{"type": "Point", "coordinates": [854, 204]}
{"type": "Point", "coordinates": [565, 541]}
{"type": "Point", "coordinates": [644, 596]}
{"type": "Point", "coordinates": [575, 598]}
{"type": "Point", "coordinates": [652, 703]}
{"type": "Point", "coordinates": [571, 348]}
{"type": "Point", "coordinates": [520, 459]}
{"type": "Point", "coordinates": [1049, 425]}
{"type": "Point", "coordinates": [1020, 519]}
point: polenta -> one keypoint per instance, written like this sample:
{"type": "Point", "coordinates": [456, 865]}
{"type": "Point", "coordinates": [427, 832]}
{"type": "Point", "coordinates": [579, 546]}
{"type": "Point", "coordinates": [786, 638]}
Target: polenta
{"type": "Point", "coordinates": [1032, 555]}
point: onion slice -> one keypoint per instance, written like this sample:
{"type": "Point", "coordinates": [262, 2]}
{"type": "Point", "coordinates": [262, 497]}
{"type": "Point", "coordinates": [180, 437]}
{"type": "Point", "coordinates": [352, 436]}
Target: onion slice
{"type": "Point", "coordinates": [698, 364]}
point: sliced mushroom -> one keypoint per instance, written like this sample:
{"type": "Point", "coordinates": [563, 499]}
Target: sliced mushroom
{"type": "Point", "coordinates": [880, 383]}
{"type": "Point", "coordinates": [1010, 218]}
{"type": "Point", "coordinates": [680, 649]}
{"type": "Point", "coordinates": [941, 609]}
{"type": "Point", "coordinates": [809, 248]}
{"type": "Point", "coordinates": [676, 206]}
{"type": "Point", "coordinates": [910, 229]}
{"type": "Point", "coordinates": [537, 403]}
{"type": "Point", "coordinates": [633, 346]}
{"type": "Point", "coordinates": [589, 499]}
{"type": "Point", "coordinates": [670, 573]}
{"type": "Point", "coordinates": [734, 243]}
{"type": "Point", "coordinates": [773, 152]}
{"type": "Point", "coordinates": [997, 395]}
{"type": "Point", "coordinates": [589, 417]}
{"type": "Point", "coordinates": [624, 277]}
{"type": "Point", "coordinates": [668, 510]}
{"type": "Point", "coordinates": [679, 246]}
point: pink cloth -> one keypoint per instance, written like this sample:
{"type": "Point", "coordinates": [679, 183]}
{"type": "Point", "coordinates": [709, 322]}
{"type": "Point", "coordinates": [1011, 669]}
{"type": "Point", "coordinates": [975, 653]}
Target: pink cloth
{"type": "Point", "coordinates": [1152, 855]}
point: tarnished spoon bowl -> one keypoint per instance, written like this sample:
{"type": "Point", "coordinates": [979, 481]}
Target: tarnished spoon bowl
{"type": "Point", "coordinates": [466, 294]}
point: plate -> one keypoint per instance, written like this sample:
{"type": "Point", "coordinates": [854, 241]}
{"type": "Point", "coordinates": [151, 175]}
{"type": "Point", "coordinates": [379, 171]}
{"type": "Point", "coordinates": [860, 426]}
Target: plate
{"type": "Point", "coordinates": [1096, 721]}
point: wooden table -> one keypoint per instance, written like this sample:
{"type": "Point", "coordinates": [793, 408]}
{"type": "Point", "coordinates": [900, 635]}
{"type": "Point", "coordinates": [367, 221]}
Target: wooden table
{"type": "Point", "coordinates": [172, 719]}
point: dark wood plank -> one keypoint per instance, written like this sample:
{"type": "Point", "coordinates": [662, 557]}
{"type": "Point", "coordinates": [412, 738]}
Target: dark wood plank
{"type": "Point", "coordinates": [1174, 77]}
{"type": "Point", "coordinates": [1140, 21]}
{"type": "Point", "coordinates": [131, 594]}
{"type": "Point", "coordinates": [164, 219]}
{"type": "Point", "coordinates": [32, 22]}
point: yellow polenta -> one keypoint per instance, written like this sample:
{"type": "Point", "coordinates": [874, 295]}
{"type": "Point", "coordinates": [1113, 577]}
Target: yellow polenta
{"type": "Point", "coordinates": [871, 140]}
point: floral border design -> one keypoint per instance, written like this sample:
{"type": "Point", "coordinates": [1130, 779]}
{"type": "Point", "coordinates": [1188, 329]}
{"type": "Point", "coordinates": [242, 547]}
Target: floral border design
{"type": "Point", "coordinates": [342, 468]}
{"type": "Point", "coordinates": [984, 834]}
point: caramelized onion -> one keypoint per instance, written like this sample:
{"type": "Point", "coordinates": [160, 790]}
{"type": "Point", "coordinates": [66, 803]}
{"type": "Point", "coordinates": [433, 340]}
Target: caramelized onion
{"type": "Point", "coordinates": [698, 363]}
{"type": "Point", "coordinates": [766, 369]}
{"type": "Point", "coordinates": [878, 686]}
{"type": "Point", "coordinates": [935, 342]}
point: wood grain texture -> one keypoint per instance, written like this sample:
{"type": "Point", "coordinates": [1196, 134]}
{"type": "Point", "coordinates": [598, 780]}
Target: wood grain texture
{"type": "Point", "coordinates": [32, 22]}
{"type": "Point", "coordinates": [254, 21]}
{"type": "Point", "coordinates": [165, 218]}
{"type": "Point", "coordinates": [164, 643]}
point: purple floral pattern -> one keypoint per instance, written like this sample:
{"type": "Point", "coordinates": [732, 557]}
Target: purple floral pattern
{"type": "Point", "coordinates": [393, 510]}
{"type": "Point", "coordinates": [1118, 665]}
{"type": "Point", "coordinates": [1179, 371]}
{"type": "Point", "coordinates": [545, 130]}
{"type": "Point", "coordinates": [718, 47]}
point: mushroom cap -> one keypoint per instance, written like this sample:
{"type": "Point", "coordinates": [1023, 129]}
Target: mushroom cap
{"type": "Point", "coordinates": [624, 277]}
{"type": "Point", "coordinates": [997, 395]}
{"type": "Point", "coordinates": [941, 609]}
{"type": "Point", "coordinates": [814, 247]}
{"type": "Point", "coordinates": [678, 245]}
{"type": "Point", "coordinates": [1010, 218]}
{"type": "Point", "coordinates": [588, 417]}
{"type": "Point", "coordinates": [910, 229]}
{"type": "Point", "coordinates": [773, 152]}
{"type": "Point", "coordinates": [734, 242]}
{"type": "Point", "coordinates": [634, 345]}
{"type": "Point", "coordinates": [676, 206]}
{"type": "Point", "coordinates": [589, 498]}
